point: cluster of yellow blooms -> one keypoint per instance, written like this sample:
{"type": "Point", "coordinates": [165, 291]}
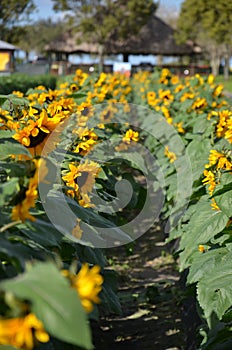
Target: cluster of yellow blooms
{"type": "Point", "coordinates": [46, 114]}
{"type": "Point", "coordinates": [28, 331]}
{"type": "Point", "coordinates": [217, 161]}
{"type": "Point", "coordinates": [48, 110]}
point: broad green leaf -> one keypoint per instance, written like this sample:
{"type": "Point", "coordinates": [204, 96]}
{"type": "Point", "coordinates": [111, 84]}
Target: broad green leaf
{"type": "Point", "coordinates": [7, 347]}
{"type": "Point", "coordinates": [14, 250]}
{"type": "Point", "coordinates": [54, 302]}
{"type": "Point", "coordinates": [204, 224]}
{"type": "Point", "coordinates": [198, 152]}
{"type": "Point", "coordinates": [9, 148]}
{"type": "Point", "coordinates": [136, 160]}
{"type": "Point", "coordinates": [42, 232]}
{"type": "Point", "coordinates": [78, 95]}
{"type": "Point", "coordinates": [7, 190]}
{"type": "Point", "coordinates": [6, 134]}
{"type": "Point", "coordinates": [204, 262]}
{"type": "Point", "coordinates": [93, 222]}
{"type": "Point", "coordinates": [214, 291]}
{"type": "Point", "coordinates": [223, 194]}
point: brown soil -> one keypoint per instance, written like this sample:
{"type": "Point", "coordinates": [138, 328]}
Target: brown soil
{"type": "Point", "coordinates": [150, 296]}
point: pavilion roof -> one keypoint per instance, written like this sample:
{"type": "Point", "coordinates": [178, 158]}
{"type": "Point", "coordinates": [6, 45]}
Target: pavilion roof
{"type": "Point", "coordinates": [6, 46]}
{"type": "Point", "coordinates": [156, 38]}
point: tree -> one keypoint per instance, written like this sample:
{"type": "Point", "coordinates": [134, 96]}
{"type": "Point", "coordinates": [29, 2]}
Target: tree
{"type": "Point", "coordinates": [209, 22]}
{"type": "Point", "coordinates": [97, 20]}
{"type": "Point", "coordinates": [12, 12]}
{"type": "Point", "coordinates": [34, 37]}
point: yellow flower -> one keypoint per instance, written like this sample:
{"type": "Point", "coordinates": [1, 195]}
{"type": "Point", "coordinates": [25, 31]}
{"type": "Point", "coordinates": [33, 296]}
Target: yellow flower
{"type": "Point", "coordinates": [151, 95]}
{"type": "Point", "coordinates": [166, 113]}
{"type": "Point", "coordinates": [165, 76]}
{"type": "Point", "coordinates": [220, 160]}
{"type": "Point", "coordinates": [179, 88]}
{"type": "Point", "coordinates": [228, 133]}
{"type": "Point", "coordinates": [27, 197]}
{"type": "Point", "coordinates": [166, 96]}
{"type": "Point", "coordinates": [201, 248]}
{"type": "Point", "coordinates": [73, 87]}
{"type": "Point", "coordinates": [187, 95]}
{"type": "Point", "coordinates": [175, 80]}
{"type": "Point", "coordinates": [17, 93]}
{"type": "Point", "coordinates": [24, 332]}
{"type": "Point", "coordinates": [81, 178]}
{"type": "Point", "coordinates": [209, 179]}
{"type": "Point", "coordinates": [88, 284]}
{"type": "Point", "coordinates": [131, 136]}
{"type": "Point", "coordinates": [210, 79]}
{"type": "Point", "coordinates": [218, 90]}
{"type": "Point", "coordinates": [224, 126]}
{"type": "Point", "coordinates": [88, 138]}
{"type": "Point", "coordinates": [179, 127]}
{"type": "Point", "coordinates": [170, 155]}
{"type": "Point", "coordinates": [85, 147]}
{"type": "Point", "coordinates": [214, 205]}
{"type": "Point", "coordinates": [199, 104]}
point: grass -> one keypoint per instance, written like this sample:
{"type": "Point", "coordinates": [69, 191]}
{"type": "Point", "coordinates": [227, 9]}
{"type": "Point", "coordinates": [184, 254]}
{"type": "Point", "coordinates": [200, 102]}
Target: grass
{"type": "Point", "coordinates": [227, 83]}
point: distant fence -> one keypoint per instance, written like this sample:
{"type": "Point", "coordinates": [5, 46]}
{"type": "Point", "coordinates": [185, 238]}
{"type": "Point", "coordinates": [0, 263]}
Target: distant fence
{"type": "Point", "coordinates": [181, 70]}
{"type": "Point", "coordinates": [64, 68]}
{"type": "Point", "coordinates": [33, 69]}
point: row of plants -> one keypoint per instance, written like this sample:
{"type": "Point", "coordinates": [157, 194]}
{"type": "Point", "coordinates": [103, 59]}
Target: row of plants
{"type": "Point", "coordinates": [23, 82]}
{"type": "Point", "coordinates": [91, 165]}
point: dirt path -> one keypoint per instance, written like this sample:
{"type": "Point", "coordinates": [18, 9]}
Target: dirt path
{"type": "Point", "coordinates": [150, 296]}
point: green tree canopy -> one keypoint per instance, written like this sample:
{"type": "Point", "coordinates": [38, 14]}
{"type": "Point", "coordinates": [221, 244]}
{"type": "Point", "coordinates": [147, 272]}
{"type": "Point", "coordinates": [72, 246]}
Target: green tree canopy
{"type": "Point", "coordinates": [208, 22]}
{"type": "Point", "coordinates": [12, 12]}
{"type": "Point", "coordinates": [97, 20]}
{"type": "Point", "coordinates": [35, 36]}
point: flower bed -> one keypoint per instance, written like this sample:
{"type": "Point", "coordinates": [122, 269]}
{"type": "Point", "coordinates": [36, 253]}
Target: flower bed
{"type": "Point", "coordinates": [92, 165]}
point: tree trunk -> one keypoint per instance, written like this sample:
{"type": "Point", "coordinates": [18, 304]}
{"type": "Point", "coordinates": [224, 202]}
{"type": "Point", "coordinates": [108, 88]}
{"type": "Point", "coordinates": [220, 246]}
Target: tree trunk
{"type": "Point", "coordinates": [159, 60]}
{"type": "Point", "coordinates": [125, 57]}
{"type": "Point", "coordinates": [214, 61]}
{"type": "Point", "coordinates": [101, 58]}
{"type": "Point", "coordinates": [227, 64]}
{"type": "Point", "coordinates": [27, 56]}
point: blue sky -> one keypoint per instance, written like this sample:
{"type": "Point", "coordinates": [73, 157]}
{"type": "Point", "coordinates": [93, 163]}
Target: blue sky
{"type": "Point", "coordinates": [45, 7]}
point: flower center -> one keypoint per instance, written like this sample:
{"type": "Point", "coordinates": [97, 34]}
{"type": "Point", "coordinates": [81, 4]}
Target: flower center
{"type": "Point", "coordinates": [35, 141]}
{"type": "Point", "coordinates": [81, 180]}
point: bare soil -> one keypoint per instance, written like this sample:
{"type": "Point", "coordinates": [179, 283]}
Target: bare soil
{"type": "Point", "coordinates": [151, 299]}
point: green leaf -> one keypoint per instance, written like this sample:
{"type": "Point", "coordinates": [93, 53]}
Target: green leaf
{"type": "Point", "coordinates": [42, 232]}
{"type": "Point", "coordinates": [198, 152]}
{"type": "Point", "coordinates": [7, 347]}
{"type": "Point", "coordinates": [135, 159]}
{"type": "Point", "coordinates": [15, 250]}
{"type": "Point", "coordinates": [54, 302]}
{"type": "Point", "coordinates": [9, 148]}
{"type": "Point", "coordinates": [77, 95]}
{"type": "Point", "coordinates": [204, 262]}
{"type": "Point", "coordinates": [7, 190]}
{"type": "Point", "coordinates": [6, 134]}
{"type": "Point", "coordinates": [215, 290]}
{"type": "Point", "coordinates": [204, 225]}
{"type": "Point", "coordinates": [223, 194]}
{"type": "Point", "coordinates": [3, 98]}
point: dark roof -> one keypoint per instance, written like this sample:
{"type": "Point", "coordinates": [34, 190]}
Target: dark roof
{"type": "Point", "coordinates": [70, 43]}
{"type": "Point", "coordinates": [6, 46]}
{"type": "Point", "coordinates": [156, 38]}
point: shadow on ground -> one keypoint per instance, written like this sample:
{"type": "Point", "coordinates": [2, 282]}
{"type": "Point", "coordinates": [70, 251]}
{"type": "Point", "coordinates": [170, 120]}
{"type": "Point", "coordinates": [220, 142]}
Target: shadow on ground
{"type": "Point", "coordinates": [150, 296]}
